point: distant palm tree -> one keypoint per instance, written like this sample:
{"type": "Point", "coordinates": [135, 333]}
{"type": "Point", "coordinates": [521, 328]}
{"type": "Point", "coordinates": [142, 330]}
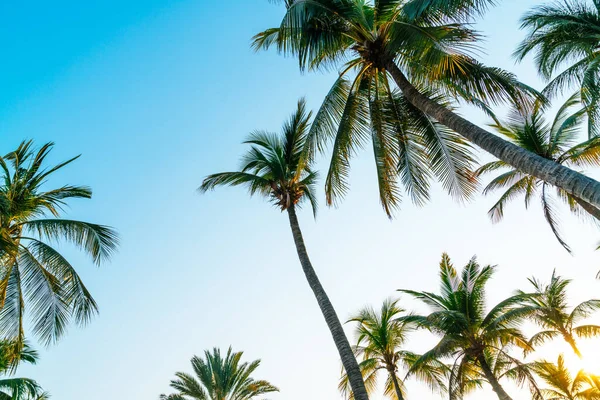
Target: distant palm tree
{"type": "Point", "coordinates": [381, 337]}
{"type": "Point", "coordinates": [564, 386]}
{"type": "Point", "coordinates": [424, 49]}
{"type": "Point", "coordinates": [11, 354]}
{"type": "Point", "coordinates": [280, 168]}
{"type": "Point", "coordinates": [565, 34]}
{"type": "Point", "coordinates": [33, 274]}
{"type": "Point", "coordinates": [218, 378]}
{"type": "Point", "coordinates": [552, 313]}
{"type": "Point", "coordinates": [557, 141]}
{"type": "Point", "coordinates": [472, 338]}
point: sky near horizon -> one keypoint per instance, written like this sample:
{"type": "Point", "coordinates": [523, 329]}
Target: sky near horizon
{"type": "Point", "coordinates": [157, 94]}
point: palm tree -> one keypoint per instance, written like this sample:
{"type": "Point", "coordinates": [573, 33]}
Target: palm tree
{"type": "Point", "coordinates": [556, 141]}
{"type": "Point", "coordinates": [218, 378]}
{"type": "Point", "coordinates": [562, 385]}
{"type": "Point", "coordinates": [474, 340]}
{"type": "Point", "coordinates": [280, 168]}
{"type": "Point", "coordinates": [33, 274]}
{"type": "Point", "coordinates": [565, 34]}
{"type": "Point", "coordinates": [11, 354]}
{"type": "Point", "coordinates": [552, 313]}
{"type": "Point", "coordinates": [381, 337]}
{"type": "Point", "coordinates": [425, 47]}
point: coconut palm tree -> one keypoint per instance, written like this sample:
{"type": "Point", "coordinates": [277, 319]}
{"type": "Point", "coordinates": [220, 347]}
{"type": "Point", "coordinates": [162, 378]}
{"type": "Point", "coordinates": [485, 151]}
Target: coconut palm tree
{"type": "Point", "coordinates": [381, 337]}
{"type": "Point", "coordinates": [552, 313]}
{"type": "Point", "coordinates": [564, 34]}
{"type": "Point", "coordinates": [219, 378]}
{"type": "Point", "coordinates": [556, 141]}
{"type": "Point", "coordinates": [279, 167]}
{"type": "Point", "coordinates": [471, 338]}
{"type": "Point", "coordinates": [11, 354]}
{"type": "Point", "coordinates": [562, 385]}
{"type": "Point", "coordinates": [426, 48]}
{"type": "Point", "coordinates": [34, 276]}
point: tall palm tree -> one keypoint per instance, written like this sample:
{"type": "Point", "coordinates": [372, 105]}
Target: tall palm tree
{"type": "Point", "coordinates": [426, 48]}
{"type": "Point", "coordinates": [11, 354]}
{"type": "Point", "coordinates": [381, 337]}
{"type": "Point", "coordinates": [279, 167]}
{"type": "Point", "coordinates": [564, 386]}
{"type": "Point", "coordinates": [564, 34]}
{"type": "Point", "coordinates": [556, 141]}
{"type": "Point", "coordinates": [34, 276]}
{"type": "Point", "coordinates": [472, 338]}
{"type": "Point", "coordinates": [219, 378]}
{"type": "Point", "coordinates": [551, 312]}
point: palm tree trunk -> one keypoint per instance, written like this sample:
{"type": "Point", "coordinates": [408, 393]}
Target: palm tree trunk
{"type": "Point", "coordinates": [571, 341]}
{"type": "Point", "coordinates": [333, 322]}
{"type": "Point", "coordinates": [558, 175]}
{"type": "Point", "coordinates": [590, 209]}
{"type": "Point", "coordinates": [491, 378]}
{"type": "Point", "coordinates": [396, 385]}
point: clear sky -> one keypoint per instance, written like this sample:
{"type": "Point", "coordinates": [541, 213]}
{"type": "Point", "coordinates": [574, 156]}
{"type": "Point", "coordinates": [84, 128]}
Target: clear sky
{"type": "Point", "coordinates": [157, 94]}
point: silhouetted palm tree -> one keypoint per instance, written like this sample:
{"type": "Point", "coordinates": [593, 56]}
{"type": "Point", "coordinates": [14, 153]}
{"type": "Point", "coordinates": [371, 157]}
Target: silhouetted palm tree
{"type": "Point", "coordinates": [557, 141]}
{"type": "Point", "coordinates": [565, 34]}
{"type": "Point", "coordinates": [219, 378]}
{"type": "Point", "coordinates": [426, 48]}
{"type": "Point", "coordinates": [381, 339]}
{"type": "Point", "coordinates": [34, 276]}
{"type": "Point", "coordinates": [564, 386]}
{"type": "Point", "coordinates": [473, 339]}
{"type": "Point", "coordinates": [279, 167]}
{"type": "Point", "coordinates": [553, 315]}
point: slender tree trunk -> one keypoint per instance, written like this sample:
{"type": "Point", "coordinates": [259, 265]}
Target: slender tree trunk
{"type": "Point", "coordinates": [396, 385]}
{"type": "Point", "coordinates": [333, 322]}
{"type": "Point", "coordinates": [491, 378]}
{"type": "Point", "coordinates": [590, 209]}
{"type": "Point", "coordinates": [558, 175]}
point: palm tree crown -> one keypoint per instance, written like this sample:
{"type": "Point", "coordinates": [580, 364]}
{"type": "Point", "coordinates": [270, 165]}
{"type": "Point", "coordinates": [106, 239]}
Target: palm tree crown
{"type": "Point", "coordinates": [552, 313]}
{"type": "Point", "coordinates": [564, 386]}
{"type": "Point", "coordinates": [565, 33]}
{"type": "Point", "coordinates": [557, 141]}
{"type": "Point", "coordinates": [473, 339]}
{"type": "Point", "coordinates": [277, 167]}
{"type": "Point", "coordinates": [219, 378]}
{"type": "Point", "coordinates": [11, 354]}
{"type": "Point", "coordinates": [381, 338]}
{"type": "Point", "coordinates": [33, 274]}
{"type": "Point", "coordinates": [432, 43]}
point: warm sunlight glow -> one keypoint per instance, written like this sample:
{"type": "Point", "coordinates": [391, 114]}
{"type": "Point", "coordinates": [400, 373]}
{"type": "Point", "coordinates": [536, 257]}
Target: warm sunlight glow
{"type": "Point", "coordinates": [590, 361]}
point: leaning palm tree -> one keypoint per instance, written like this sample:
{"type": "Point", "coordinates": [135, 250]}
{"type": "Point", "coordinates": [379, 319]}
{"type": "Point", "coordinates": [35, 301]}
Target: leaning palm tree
{"type": "Point", "coordinates": [381, 337]}
{"type": "Point", "coordinates": [425, 48]}
{"type": "Point", "coordinates": [474, 340]}
{"type": "Point", "coordinates": [280, 168]}
{"type": "Point", "coordinates": [551, 312]}
{"type": "Point", "coordinates": [11, 354]}
{"type": "Point", "coordinates": [562, 385]}
{"type": "Point", "coordinates": [219, 378]}
{"type": "Point", "coordinates": [565, 34]}
{"type": "Point", "coordinates": [34, 275]}
{"type": "Point", "coordinates": [556, 141]}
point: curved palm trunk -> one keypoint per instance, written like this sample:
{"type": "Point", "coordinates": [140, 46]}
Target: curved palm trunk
{"type": "Point", "coordinates": [560, 176]}
{"type": "Point", "coordinates": [333, 322]}
{"type": "Point", "coordinates": [491, 378]}
{"type": "Point", "coordinates": [396, 385]}
{"type": "Point", "coordinates": [590, 209]}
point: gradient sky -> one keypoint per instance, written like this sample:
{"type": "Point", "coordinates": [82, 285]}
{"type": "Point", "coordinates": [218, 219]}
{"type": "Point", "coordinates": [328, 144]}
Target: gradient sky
{"type": "Point", "coordinates": [157, 94]}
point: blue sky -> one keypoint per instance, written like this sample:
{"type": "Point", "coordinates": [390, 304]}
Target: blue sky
{"type": "Point", "coordinates": [157, 94]}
